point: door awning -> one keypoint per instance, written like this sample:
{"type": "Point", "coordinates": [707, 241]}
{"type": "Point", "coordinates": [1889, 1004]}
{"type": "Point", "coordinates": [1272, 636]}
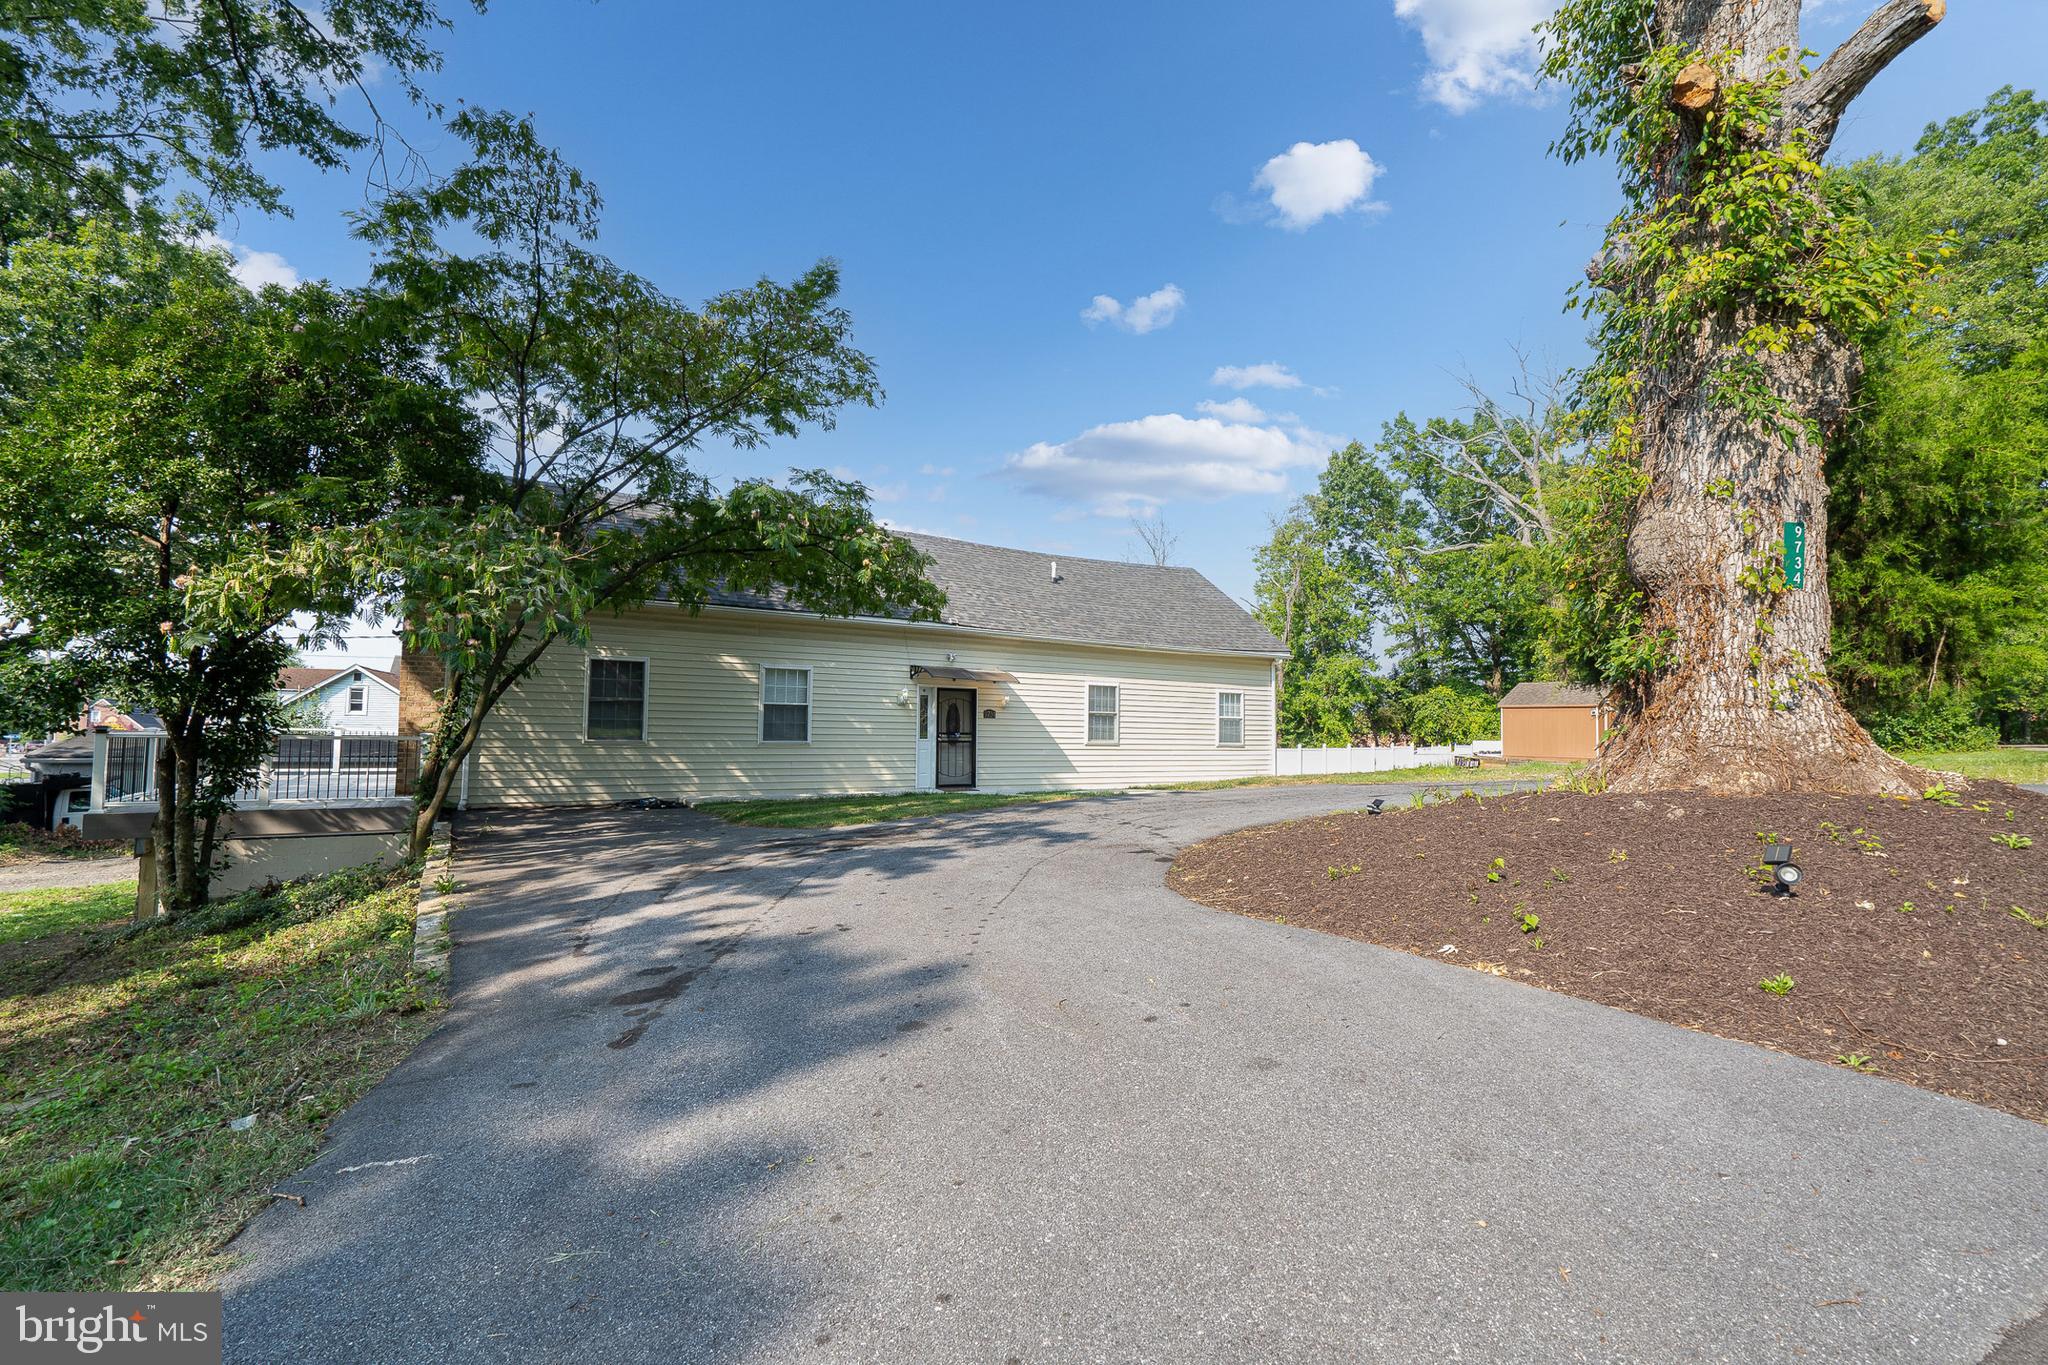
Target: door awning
{"type": "Point", "coordinates": [948, 674]}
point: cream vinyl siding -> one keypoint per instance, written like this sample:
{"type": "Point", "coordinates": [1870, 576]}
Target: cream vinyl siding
{"type": "Point", "coordinates": [704, 714]}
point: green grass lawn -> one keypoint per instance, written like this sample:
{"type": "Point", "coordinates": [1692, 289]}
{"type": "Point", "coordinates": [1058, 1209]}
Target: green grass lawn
{"type": "Point", "coordinates": [1435, 772]}
{"type": "Point", "coordinates": [827, 812]}
{"type": "Point", "coordinates": [125, 1057]}
{"type": "Point", "coordinates": [2002, 765]}
{"type": "Point", "coordinates": [56, 909]}
{"type": "Point", "coordinates": [20, 844]}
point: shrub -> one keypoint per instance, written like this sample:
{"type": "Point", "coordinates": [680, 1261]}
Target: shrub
{"type": "Point", "coordinates": [1944, 723]}
{"type": "Point", "coordinates": [1443, 715]}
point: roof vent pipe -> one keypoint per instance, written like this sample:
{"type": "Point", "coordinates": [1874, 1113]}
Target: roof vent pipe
{"type": "Point", "coordinates": [1055, 571]}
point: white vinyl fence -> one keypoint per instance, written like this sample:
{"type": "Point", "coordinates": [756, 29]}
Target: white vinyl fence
{"type": "Point", "coordinates": [1383, 758]}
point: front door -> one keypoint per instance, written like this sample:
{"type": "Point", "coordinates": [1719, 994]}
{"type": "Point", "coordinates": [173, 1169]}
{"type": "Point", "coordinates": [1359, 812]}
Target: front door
{"type": "Point", "coordinates": [956, 737]}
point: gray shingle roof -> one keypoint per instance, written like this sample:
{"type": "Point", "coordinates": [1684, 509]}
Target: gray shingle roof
{"type": "Point", "coordinates": [1555, 694]}
{"type": "Point", "coordinates": [1094, 601]}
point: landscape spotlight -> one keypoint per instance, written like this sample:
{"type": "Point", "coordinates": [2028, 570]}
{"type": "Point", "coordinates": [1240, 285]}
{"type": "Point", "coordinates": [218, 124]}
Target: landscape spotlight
{"type": "Point", "coordinates": [1785, 873]}
{"type": "Point", "coordinates": [1372, 807]}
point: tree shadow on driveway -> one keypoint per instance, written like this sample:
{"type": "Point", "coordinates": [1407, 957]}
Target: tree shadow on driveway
{"type": "Point", "coordinates": [620, 1103]}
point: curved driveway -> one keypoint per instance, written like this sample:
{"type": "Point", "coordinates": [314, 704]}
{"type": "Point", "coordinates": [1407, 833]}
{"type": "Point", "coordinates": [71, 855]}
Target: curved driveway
{"type": "Point", "coordinates": [985, 1090]}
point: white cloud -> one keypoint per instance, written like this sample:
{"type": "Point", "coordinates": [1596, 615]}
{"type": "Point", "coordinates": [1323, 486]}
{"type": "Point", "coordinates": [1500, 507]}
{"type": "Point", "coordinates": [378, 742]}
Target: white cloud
{"type": "Point", "coordinates": [1122, 467]}
{"type": "Point", "coordinates": [939, 471]}
{"type": "Point", "coordinates": [1310, 181]}
{"type": "Point", "coordinates": [253, 268]}
{"type": "Point", "coordinates": [1146, 313]}
{"type": "Point", "coordinates": [1478, 49]}
{"type": "Point", "coordinates": [1267, 376]}
{"type": "Point", "coordinates": [1232, 410]}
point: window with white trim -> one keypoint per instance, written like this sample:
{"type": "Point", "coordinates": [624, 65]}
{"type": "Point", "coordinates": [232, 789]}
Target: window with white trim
{"type": "Point", "coordinates": [1105, 705]}
{"type": "Point", "coordinates": [785, 705]}
{"type": "Point", "coordinates": [615, 699]}
{"type": "Point", "coordinates": [1230, 718]}
{"type": "Point", "coordinates": [358, 699]}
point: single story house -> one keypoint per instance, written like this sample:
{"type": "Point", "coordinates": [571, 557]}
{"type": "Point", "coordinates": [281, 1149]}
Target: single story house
{"type": "Point", "coordinates": [1543, 720]}
{"type": "Point", "coordinates": [346, 698]}
{"type": "Point", "coordinates": [1043, 673]}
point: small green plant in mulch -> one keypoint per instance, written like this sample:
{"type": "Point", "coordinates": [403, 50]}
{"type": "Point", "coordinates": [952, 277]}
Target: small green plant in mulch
{"type": "Point", "coordinates": [2012, 840]}
{"type": "Point", "coordinates": [1559, 875]}
{"type": "Point", "coordinates": [1907, 907]}
{"type": "Point", "coordinates": [1781, 984]}
{"type": "Point", "coordinates": [1617, 855]}
{"type": "Point", "coordinates": [1497, 869]}
{"type": "Point", "coordinates": [1339, 873]}
{"type": "Point", "coordinates": [1856, 1061]}
{"type": "Point", "coordinates": [1867, 843]}
{"type": "Point", "coordinates": [160, 1079]}
{"type": "Point", "coordinates": [1528, 921]}
{"type": "Point", "coordinates": [2021, 914]}
{"type": "Point", "coordinates": [1941, 796]}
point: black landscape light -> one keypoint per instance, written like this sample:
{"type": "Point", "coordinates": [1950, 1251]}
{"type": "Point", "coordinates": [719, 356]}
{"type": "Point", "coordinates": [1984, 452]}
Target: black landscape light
{"type": "Point", "coordinates": [1785, 873]}
{"type": "Point", "coordinates": [1372, 807]}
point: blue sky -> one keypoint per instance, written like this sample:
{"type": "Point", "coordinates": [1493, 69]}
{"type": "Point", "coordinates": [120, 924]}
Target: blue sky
{"type": "Point", "coordinates": [1065, 229]}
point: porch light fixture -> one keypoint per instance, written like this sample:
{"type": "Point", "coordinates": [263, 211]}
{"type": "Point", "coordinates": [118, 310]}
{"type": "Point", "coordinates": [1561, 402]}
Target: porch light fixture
{"type": "Point", "coordinates": [1785, 873]}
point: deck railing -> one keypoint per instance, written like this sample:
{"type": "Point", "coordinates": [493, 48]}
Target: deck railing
{"type": "Point", "coordinates": [306, 768]}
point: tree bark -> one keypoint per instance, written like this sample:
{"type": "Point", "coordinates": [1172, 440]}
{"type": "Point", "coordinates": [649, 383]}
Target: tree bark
{"type": "Point", "coordinates": [1744, 705]}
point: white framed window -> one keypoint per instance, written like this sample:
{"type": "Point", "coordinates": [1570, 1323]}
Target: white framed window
{"type": "Point", "coordinates": [615, 699]}
{"type": "Point", "coordinates": [785, 704]}
{"type": "Point", "coordinates": [1105, 713]}
{"type": "Point", "coordinates": [1230, 719]}
{"type": "Point", "coordinates": [358, 699]}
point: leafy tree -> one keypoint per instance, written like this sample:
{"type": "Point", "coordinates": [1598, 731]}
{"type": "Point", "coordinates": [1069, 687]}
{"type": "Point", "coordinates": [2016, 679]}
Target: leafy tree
{"type": "Point", "coordinates": [1939, 569]}
{"type": "Point", "coordinates": [104, 101]}
{"type": "Point", "coordinates": [1981, 180]}
{"type": "Point", "coordinates": [599, 389]}
{"type": "Point", "coordinates": [1940, 558]}
{"type": "Point", "coordinates": [217, 425]}
{"type": "Point", "coordinates": [1730, 303]}
{"type": "Point", "coordinates": [1449, 715]}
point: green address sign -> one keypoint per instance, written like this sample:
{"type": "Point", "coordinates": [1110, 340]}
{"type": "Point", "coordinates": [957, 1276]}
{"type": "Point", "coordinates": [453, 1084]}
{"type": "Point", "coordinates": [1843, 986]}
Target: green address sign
{"type": "Point", "coordinates": [1795, 554]}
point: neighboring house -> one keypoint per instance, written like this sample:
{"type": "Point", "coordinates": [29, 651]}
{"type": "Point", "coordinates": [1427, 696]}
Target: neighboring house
{"type": "Point", "coordinates": [1043, 674]}
{"type": "Point", "coordinates": [1554, 721]}
{"type": "Point", "coordinates": [350, 698]}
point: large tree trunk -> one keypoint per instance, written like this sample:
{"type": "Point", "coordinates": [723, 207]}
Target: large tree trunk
{"type": "Point", "coordinates": [1744, 704]}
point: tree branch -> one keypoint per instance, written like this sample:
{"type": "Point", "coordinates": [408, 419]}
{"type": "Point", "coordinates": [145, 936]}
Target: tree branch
{"type": "Point", "coordinates": [1818, 101]}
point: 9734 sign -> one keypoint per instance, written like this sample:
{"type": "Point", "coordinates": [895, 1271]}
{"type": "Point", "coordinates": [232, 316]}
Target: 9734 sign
{"type": "Point", "coordinates": [1795, 554]}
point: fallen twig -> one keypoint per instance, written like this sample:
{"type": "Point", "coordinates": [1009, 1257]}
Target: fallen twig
{"type": "Point", "coordinates": [298, 1199]}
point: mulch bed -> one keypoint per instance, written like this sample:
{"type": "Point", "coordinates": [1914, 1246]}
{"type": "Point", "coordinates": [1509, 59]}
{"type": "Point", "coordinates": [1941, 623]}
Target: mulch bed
{"type": "Point", "coordinates": [1918, 938]}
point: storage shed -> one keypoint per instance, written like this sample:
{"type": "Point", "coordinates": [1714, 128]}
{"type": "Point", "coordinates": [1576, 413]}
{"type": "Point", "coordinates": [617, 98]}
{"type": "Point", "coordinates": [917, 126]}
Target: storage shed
{"type": "Point", "coordinates": [1557, 721]}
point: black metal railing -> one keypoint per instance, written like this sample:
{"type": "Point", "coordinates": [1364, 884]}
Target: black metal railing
{"type": "Point", "coordinates": [304, 769]}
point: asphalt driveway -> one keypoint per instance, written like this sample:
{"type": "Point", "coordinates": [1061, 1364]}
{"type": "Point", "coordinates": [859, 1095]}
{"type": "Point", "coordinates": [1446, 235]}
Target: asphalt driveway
{"type": "Point", "coordinates": [986, 1090]}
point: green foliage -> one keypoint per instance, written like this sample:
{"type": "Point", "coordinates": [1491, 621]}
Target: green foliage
{"type": "Point", "coordinates": [1980, 180]}
{"type": "Point", "coordinates": [598, 388]}
{"type": "Point", "coordinates": [2013, 841]}
{"type": "Point", "coordinates": [1447, 715]}
{"type": "Point", "coordinates": [1781, 984]}
{"type": "Point", "coordinates": [1943, 721]}
{"type": "Point", "coordinates": [208, 426]}
{"type": "Point", "coordinates": [1938, 564]}
{"type": "Point", "coordinates": [104, 101]}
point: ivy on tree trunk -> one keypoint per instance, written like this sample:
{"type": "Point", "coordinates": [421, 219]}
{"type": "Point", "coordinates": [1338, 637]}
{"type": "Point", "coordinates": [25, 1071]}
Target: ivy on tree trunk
{"type": "Point", "coordinates": [1730, 302]}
